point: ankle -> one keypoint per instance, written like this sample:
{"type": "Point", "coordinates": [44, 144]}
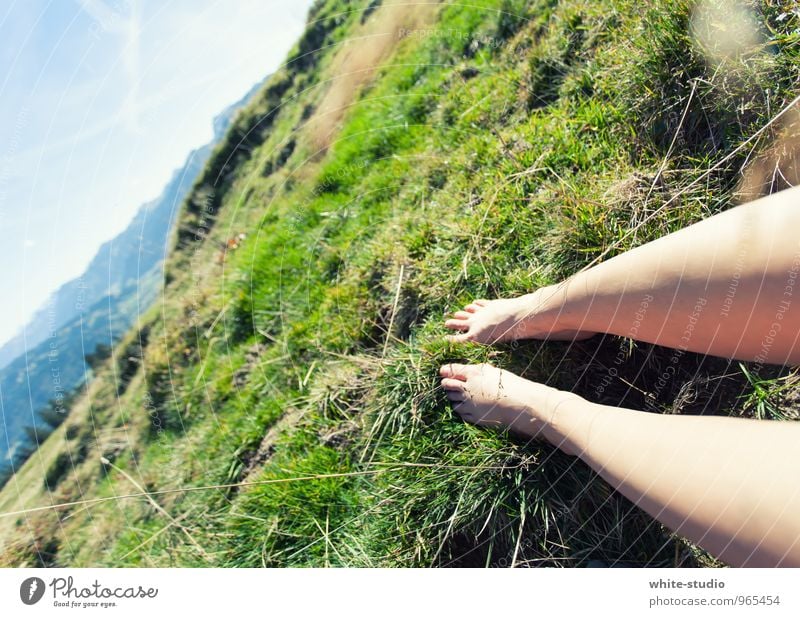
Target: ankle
{"type": "Point", "coordinates": [544, 309]}
{"type": "Point", "coordinates": [569, 421]}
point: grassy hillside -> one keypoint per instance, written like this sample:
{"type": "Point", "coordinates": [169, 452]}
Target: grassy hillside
{"type": "Point", "coordinates": [280, 406]}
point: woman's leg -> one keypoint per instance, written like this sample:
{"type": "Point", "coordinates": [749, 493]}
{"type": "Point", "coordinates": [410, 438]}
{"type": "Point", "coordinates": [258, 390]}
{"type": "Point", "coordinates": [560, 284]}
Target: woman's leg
{"type": "Point", "coordinates": [703, 477]}
{"type": "Point", "coordinates": [725, 286]}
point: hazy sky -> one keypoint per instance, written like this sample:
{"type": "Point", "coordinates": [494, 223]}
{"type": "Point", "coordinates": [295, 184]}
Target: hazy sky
{"type": "Point", "coordinates": [100, 101]}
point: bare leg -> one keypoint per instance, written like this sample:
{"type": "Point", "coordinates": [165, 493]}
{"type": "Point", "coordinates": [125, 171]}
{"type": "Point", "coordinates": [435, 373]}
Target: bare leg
{"type": "Point", "coordinates": [725, 286]}
{"type": "Point", "coordinates": [700, 476]}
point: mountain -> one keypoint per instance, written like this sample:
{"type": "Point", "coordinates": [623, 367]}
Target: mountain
{"type": "Point", "coordinates": [45, 362]}
{"type": "Point", "coordinates": [122, 261]}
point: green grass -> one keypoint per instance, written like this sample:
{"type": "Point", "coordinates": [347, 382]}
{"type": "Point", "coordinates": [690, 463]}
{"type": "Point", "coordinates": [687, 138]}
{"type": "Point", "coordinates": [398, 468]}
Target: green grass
{"type": "Point", "coordinates": [519, 143]}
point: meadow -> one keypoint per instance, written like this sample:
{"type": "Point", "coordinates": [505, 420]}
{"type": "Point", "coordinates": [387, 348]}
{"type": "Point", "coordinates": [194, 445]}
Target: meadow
{"type": "Point", "coordinates": [279, 404]}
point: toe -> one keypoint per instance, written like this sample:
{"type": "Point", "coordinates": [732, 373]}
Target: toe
{"type": "Point", "coordinates": [481, 302]}
{"type": "Point", "coordinates": [471, 308]}
{"type": "Point", "coordinates": [457, 324]}
{"type": "Point", "coordinates": [450, 383]}
{"type": "Point", "coordinates": [462, 315]}
{"type": "Point", "coordinates": [454, 371]}
{"type": "Point", "coordinates": [456, 395]}
{"type": "Point", "coordinates": [459, 338]}
{"type": "Point", "coordinates": [464, 412]}
{"type": "Point", "coordinates": [462, 371]}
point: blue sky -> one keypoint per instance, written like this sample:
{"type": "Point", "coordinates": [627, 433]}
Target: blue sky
{"type": "Point", "coordinates": [100, 101]}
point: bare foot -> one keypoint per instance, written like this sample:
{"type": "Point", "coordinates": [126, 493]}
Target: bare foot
{"type": "Point", "coordinates": [485, 395]}
{"type": "Point", "coordinates": [535, 315]}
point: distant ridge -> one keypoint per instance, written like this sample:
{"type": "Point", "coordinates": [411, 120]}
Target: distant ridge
{"type": "Point", "coordinates": [46, 360]}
